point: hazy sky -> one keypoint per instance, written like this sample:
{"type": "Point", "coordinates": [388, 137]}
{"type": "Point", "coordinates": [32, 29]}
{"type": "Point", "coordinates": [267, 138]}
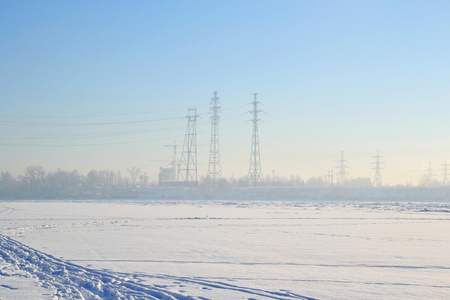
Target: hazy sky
{"type": "Point", "coordinates": [106, 84]}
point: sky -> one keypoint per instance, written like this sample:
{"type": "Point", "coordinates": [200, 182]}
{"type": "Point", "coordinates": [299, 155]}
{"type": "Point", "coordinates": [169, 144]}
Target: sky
{"type": "Point", "coordinates": [107, 84]}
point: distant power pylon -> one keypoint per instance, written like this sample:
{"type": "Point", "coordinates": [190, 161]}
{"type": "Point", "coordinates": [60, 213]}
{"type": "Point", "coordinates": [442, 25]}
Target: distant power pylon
{"type": "Point", "coordinates": [445, 172]}
{"type": "Point", "coordinates": [342, 166]}
{"type": "Point", "coordinates": [429, 173]}
{"type": "Point", "coordinates": [187, 169]}
{"type": "Point", "coordinates": [214, 169]}
{"type": "Point", "coordinates": [254, 172]}
{"type": "Point", "coordinates": [329, 177]}
{"type": "Point", "coordinates": [377, 182]}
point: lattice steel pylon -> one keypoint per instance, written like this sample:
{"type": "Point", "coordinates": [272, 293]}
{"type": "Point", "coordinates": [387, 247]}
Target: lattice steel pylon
{"type": "Point", "coordinates": [342, 173]}
{"type": "Point", "coordinates": [377, 182]}
{"type": "Point", "coordinates": [214, 168]}
{"type": "Point", "coordinates": [445, 173]}
{"type": "Point", "coordinates": [329, 177]}
{"type": "Point", "coordinates": [254, 172]}
{"type": "Point", "coordinates": [428, 177]}
{"type": "Point", "coordinates": [187, 168]}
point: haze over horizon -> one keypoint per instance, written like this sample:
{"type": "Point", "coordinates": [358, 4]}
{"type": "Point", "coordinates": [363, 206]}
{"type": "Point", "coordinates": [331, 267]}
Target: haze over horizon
{"type": "Point", "coordinates": [107, 84]}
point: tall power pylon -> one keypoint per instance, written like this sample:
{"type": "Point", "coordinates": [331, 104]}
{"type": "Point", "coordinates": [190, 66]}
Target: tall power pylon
{"type": "Point", "coordinates": [187, 169]}
{"type": "Point", "coordinates": [445, 173]}
{"type": "Point", "coordinates": [214, 169]}
{"type": "Point", "coordinates": [377, 182]}
{"type": "Point", "coordinates": [254, 172]}
{"type": "Point", "coordinates": [342, 173]}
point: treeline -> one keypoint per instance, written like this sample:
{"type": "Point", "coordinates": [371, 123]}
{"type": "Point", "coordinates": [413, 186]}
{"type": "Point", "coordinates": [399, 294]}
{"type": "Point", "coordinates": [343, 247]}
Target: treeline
{"type": "Point", "coordinates": [297, 181]}
{"type": "Point", "coordinates": [36, 183]}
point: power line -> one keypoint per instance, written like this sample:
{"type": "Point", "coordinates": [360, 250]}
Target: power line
{"type": "Point", "coordinates": [16, 116]}
{"type": "Point", "coordinates": [83, 145]}
{"type": "Point", "coordinates": [85, 124]}
{"type": "Point", "coordinates": [75, 135]}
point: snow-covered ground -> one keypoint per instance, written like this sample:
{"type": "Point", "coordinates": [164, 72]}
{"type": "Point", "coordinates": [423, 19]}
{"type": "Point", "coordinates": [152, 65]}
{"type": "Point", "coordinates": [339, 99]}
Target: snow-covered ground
{"type": "Point", "coordinates": [234, 249]}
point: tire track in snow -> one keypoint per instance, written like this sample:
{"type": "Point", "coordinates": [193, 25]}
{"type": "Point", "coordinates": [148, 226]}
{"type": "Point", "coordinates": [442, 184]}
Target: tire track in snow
{"type": "Point", "coordinates": [6, 210]}
{"type": "Point", "coordinates": [75, 282]}
{"type": "Point", "coordinates": [19, 230]}
{"type": "Point", "coordinates": [281, 263]}
{"type": "Point", "coordinates": [281, 295]}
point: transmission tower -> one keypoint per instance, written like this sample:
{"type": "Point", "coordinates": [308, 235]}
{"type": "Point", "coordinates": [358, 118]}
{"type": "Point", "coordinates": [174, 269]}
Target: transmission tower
{"type": "Point", "coordinates": [254, 172]}
{"type": "Point", "coordinates": [342, 173]}
{"type": "Point", "coordinates": [429, 173]}
{"type": "Point", "coordinates": [445, 172]}
{"type": "Point", "coordinates": [187, 169]}
{"type": "Point", "coordinates": [214, 169]}
{"type": "Point", "coordinates": [329, 177]}
{"type": "Point", "coordinates": [377, 182]}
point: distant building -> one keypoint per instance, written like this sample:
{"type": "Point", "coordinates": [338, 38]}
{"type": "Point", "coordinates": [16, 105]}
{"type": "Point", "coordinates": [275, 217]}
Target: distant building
{"type": "Point", "coordinates": [167, 177]}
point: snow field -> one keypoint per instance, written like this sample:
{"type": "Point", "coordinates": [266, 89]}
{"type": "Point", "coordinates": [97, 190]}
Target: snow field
{"type": "Point", "coordinates": [233, 249]}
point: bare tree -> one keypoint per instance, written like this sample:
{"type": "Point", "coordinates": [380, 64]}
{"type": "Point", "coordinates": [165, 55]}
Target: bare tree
{"type": "Point", "coordinates": [34, 178]}
{"type": "Point", "coordinates": [134, 173]}
{"type": "Point", "coordinates": [7, 184]}
{"type": "Point", "coordinates": [143, 179]}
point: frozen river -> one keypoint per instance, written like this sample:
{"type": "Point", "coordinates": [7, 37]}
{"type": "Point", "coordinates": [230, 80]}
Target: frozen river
{"type": "Point", "coordinates": [224, 250]}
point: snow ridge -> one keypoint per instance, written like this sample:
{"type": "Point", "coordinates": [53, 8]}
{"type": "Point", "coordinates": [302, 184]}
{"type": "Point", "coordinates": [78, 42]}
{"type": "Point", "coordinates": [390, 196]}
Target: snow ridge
{"type": "Point", "coordinates": [71, 281]}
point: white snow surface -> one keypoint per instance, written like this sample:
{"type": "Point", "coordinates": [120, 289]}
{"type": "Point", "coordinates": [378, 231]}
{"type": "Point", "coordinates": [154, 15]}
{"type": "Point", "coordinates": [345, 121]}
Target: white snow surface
{"type": "Point", "coordinates": [292, 193]}
{"type": "Point", "coordinates": [224, 249]}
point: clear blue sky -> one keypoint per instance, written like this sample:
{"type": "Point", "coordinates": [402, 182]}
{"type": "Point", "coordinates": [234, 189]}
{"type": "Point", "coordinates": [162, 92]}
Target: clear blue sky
{"type": "Point", "coordinates": [106, 84]}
